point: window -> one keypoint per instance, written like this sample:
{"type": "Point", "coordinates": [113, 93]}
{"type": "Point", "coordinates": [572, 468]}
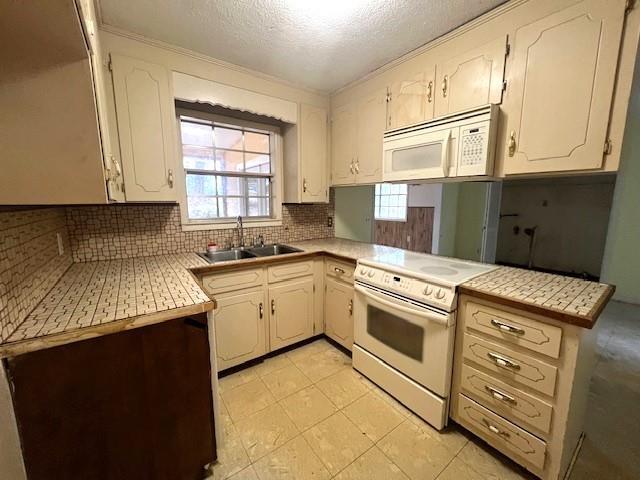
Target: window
{"type": "Point", "coordinates": [391, 202]}
{"type": "Point", "coordinates": [228, 169]}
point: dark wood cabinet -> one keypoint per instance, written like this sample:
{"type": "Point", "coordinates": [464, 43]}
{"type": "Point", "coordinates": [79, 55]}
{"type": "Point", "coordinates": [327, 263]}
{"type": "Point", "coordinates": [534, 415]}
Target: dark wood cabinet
{"type": "Point", "coordinates": [130, 405]}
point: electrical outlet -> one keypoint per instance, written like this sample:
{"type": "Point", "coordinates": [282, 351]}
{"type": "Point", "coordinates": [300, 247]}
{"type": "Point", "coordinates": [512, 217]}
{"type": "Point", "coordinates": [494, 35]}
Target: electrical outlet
{"type": "Point", "coordinates": [60, 244]}
{"type": "Point", "coordinates": [329, 221]}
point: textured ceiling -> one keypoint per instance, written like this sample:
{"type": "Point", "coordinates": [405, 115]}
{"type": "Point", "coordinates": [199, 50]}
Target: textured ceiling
{"type": "Point", "coordinates": [320, 44]}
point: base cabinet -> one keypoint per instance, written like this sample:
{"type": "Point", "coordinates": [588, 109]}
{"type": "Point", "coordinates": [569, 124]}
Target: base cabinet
{"type": "Point", "coordinates": [291, 312]}
{"type": "Point", "coordinates": [241, 327]}
{"type": "Point", "coordinates": [114, 406]}
{"type": "Point", "coordinates": [339, 312]}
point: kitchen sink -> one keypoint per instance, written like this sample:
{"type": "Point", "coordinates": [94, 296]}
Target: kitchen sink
{"type": "Point", "coordinates": [248, 252]}
{"type": "Point", "coordinates": [226, 255]}
{"type": "Point", "coordinates": [274, 249]}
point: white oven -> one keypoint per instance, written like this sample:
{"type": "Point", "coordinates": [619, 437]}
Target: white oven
{"type": "Point", "coordinates": [406, 348]}
{"type": "Point", "coordinates": [456, 145]}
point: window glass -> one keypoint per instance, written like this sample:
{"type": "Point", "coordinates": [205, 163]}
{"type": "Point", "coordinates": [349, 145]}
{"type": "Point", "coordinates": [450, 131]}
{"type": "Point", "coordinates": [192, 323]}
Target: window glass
{"type": "Point", "coordinates": [228, 171]}
{"type": "Point", "coordinates": [391, 202]}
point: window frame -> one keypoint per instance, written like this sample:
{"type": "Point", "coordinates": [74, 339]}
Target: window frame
{"type": "Point", "coordinates": [276, 186]}
{"type": "Point", "coordinates": [381, 195]}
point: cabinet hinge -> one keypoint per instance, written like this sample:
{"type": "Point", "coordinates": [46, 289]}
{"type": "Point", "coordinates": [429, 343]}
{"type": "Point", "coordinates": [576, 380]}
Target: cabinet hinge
{"type": "Point", "coordinates": [388, 99]}
{"type": "Point", "coordinates": [508, 49]}
{"type": "Point", "coordinates": [504, 85]}
{"type": "Point", "coordinates": [608, 146]}
{"type": "Point", "coordinates": [314, 288]}
{"type": "Point", "coordinates": [110, 64]}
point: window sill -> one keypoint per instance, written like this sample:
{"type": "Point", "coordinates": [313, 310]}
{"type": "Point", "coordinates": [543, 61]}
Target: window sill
{"type": "Point", "coordinates": [272, 222]}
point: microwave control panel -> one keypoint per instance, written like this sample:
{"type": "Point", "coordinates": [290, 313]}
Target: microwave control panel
{"type": "Point", "coordinates": [474, 142]}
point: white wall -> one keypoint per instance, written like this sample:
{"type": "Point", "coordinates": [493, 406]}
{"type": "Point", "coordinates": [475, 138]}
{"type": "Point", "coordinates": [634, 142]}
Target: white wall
{"type": "Point", "coordinates": [571, 214]}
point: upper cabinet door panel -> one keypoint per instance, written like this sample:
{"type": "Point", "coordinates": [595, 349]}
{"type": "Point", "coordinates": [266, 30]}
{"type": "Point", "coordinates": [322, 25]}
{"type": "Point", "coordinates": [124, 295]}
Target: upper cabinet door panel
{"type": "Point", "coordinates": [342, 145]}
{"type": "Point", "coordinates": [471, 79]}
{"type": "Point", "coordinates": [313, 151]}
{"type": "Point", "coordinates": [560, 88]}
{"type": "Point", "coordinates": [412, 99]}
{"type": "Point", "coordinates": [371, 122]}
{"type": "Point", "coordinates": [144, 106]}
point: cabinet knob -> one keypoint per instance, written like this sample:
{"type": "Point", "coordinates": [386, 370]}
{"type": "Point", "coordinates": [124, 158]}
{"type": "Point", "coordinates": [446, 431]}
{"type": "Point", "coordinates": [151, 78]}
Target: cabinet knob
{"type": "Point", "coordinates": [351, 168]}
{"type": "Point", "coordinates": [304, 185]}
{"type": "Point", "coordinates": [273, 307]}
{"type": "Point", "coordinates": [430, 91]}
{"type": "Point", "coordinates": [445, 85]}
{"type": "Point", "coordinates": [350, 307]}
{"type": "Point", "coordinates": [512, 143]}
{"type": "Point", "coordinates": [357, 166]}
{"type": "Point", "coordinates": [170, 178]}
{"type": "Point", "coordinates": [261, 310]}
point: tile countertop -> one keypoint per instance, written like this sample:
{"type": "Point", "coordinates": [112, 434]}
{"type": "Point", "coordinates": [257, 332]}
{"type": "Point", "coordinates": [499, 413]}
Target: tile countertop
{"type": "Point", "coordinates": [96, 298]}
{"type": "Point", "coordinates": [568, 299]}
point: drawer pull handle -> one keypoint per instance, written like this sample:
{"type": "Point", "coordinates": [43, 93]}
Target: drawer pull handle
{"type": "Point", "coordinates": [261, 310]}
{"type": "Point", "coordinates": [273, 307]}
{"type": "Point", "coordinates": [339, 270]}
{"type": "Point", "coordinates": [503, 361]}
{"type": "Point", "coordinates": [505, 327]}
{"type": "Point", "coordinates": [350, 308]}
{"type": "Point", "coordinates": [498, 395]}
{"type": "Point", "coordinates": [495, 429]}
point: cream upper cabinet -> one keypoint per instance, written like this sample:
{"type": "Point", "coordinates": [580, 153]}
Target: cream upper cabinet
{"type": "Point", "coordinates": [241, 331]}
{"type": "Point", "coordinates": [471, 79]}
{"type": "Point", "coordinates": [411, 99]}
{"type": "Point", "coordinates": [339, 312]}
{"type": "Point", "coordinates": [291, 312]}
{"type": "Point", "coordinates": [313, 153]}
{"type": "Point", "coordinates": [370, 126]}
{"type": "Point", "coordinates": [306, 157]}
{"type": "Point", "coordinates": [343, 132]}
{"type": "Point", "coordinates": [560, 87]}
{"type": "Point", "coordinates": [145, 111]}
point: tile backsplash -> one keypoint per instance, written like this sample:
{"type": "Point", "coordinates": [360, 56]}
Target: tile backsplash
{"type": "Point", "coordinates": [125, 231]}
{"type": "Point", "coordinates": [29, 261]}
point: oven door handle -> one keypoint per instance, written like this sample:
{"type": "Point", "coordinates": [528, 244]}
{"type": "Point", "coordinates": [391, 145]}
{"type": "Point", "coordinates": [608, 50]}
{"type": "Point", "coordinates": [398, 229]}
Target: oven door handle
{"type": "Point", "coordinates": [441, 319]}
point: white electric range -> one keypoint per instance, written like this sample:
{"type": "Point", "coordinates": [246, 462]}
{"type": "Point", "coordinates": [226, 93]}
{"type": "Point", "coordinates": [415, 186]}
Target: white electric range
{"type": "Point", "coordinates": [404, 326]}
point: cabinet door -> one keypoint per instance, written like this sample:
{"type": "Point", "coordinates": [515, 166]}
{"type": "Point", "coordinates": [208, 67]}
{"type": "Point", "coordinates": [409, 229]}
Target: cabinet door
{"type": "Point", "coordinates": [412, 99]}
{"type": "Point", "coordinates": [343, 131]}
{"type": "Point", "coordinates": [313, 153]}
{"type": "Point", "coordinates": [471, 79]}
{"type": "Point", "coordinates": [291, 307]}
{"type": "Point", "coordinates": [144, 105]}
{"type": "Point", "coordinates": [371, 121]}
{"type": "Point", "coordinates": [339, 312]}
{"type": "Point", "coordinates": [240, 327]}
{"type": "Point", "coordinates": [560, 87]}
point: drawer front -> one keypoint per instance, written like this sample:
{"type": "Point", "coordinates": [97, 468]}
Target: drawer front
{"type": "Point", "coordinates": [515, 329]}
{"type": "Point", "coordinates": [513, 404]}
{"type": "Point", "coordinates": [511, 365]}
{"type": "Point", "coordinates": [286, 271]}
{"type": "Point", "coordinates": [234, 280]}
{"type": "Point", "coordinates": [342, 270]}
{"type": "Point", "coordinates": [500, 433]}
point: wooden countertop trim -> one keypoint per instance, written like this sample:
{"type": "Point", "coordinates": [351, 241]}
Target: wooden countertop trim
{"type": "Point", "coordinates": [583, 321]}
{"type": "Point", "coordinates": [38, 343]}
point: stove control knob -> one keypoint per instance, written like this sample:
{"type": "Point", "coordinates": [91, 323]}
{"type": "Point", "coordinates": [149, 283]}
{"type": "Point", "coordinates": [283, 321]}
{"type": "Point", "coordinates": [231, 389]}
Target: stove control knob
{"type": "Point", "coordinates": [371, 273]}
{"type": "Point", "coordinates": [362, 271]}
{"type": "Point", "coordinates": [428, 290]}
{"type": "Point", "coordinates": [440, 294]}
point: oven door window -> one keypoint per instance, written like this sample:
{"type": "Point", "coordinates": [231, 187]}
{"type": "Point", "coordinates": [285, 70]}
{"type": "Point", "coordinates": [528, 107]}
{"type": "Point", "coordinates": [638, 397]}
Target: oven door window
{"type": "Point", "coordinates": [395, 332]}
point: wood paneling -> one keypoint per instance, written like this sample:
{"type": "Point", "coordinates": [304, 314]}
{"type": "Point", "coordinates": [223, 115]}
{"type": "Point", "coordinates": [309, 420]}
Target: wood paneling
{"type": "Point", "coordinates": [414, 234]}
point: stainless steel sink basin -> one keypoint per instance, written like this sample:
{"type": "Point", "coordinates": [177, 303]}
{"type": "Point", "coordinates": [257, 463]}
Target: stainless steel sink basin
{"type": "Point", "coordinates": [248, 252]}
{"type": "Point", "coordinates": [226, 255]}
{"type": "Point", "coordinates": [274, 249]}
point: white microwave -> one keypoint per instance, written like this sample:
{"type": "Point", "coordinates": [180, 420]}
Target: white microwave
{"type": "Point", "coordinates": [457, 145]}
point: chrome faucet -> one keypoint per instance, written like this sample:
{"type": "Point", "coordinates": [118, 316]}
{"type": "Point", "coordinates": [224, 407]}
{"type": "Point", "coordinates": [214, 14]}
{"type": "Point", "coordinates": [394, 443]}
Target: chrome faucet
{"type": "Point", "coordinates": [240, 230]}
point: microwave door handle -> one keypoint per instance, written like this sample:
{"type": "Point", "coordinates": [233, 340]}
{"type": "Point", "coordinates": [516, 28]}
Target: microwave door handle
{"type": "Point", "coordinates": [445, 154]}
{"type": "Point", "coordinates": [441, 319]}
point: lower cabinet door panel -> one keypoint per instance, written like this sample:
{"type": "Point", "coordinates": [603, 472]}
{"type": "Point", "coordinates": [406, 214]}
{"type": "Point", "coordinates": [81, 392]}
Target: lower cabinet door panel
{"type": "Point", "coordinates": [291, 312]}
{"type": "Point", "coordinates": [240, 321]}
{"type": "Point", "coordinates": [135, 404]}
{"type": "Point", "coordinates": [339, 312]}
{"type": "Point", "coordinates": [501, 433]}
